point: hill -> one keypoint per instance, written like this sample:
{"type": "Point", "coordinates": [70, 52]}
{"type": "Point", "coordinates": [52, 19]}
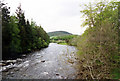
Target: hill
{"type": "Point", "coordinates": [58, 33]}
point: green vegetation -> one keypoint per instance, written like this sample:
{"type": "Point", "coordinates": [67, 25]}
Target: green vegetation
{"type": "Point", "coordinates": [19, 35]}
{"type": "Point", "coordinates": [63, 43]}
{"type": "Point", "coordinates": [99, 45]}
{"type": "Point", "coordinates": [61, 39]}
{"type": "Point", "coordinates": [59, 33]}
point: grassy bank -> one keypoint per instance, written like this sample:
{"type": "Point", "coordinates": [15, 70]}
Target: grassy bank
{"type": "Point", "coordinates": [62, 39]}
{"type": "Point", "coordinates": [63, 43]}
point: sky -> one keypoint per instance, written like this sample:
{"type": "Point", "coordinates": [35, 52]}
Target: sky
{"type": "Point", "coordinates": [53, 15]}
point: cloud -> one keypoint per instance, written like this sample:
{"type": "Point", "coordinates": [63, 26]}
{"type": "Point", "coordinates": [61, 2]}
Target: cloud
{"type": "Point", "coordinates": [53, 15]}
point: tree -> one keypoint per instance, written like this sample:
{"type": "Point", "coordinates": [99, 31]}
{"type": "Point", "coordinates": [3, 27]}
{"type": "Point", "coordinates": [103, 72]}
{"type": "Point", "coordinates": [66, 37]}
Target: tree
{"type": "Point", "coordinates": [18, 35]}
{"type": "Point", "coordinates": [29, 39]}
{"type": "Point", "coordinates": [98, 46]}
{"type": "Point", "coordinates": [14, 46]}
{"type": "Point", "coordinates": [97, 12]}
{"type": "Point", "coordinates": [89, 13]}
{"type": "Point", "coordinates": [22, 25]}
{"type": "Point", "coordinates": [6, 36]}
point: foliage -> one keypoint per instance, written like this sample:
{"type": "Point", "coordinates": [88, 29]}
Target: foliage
{"type": "Point", "coordinates": [19, 35]}
{"type": "Point", "coordinates": [98, 45]}
{"type": "Point", "coordinates": [14, 46]}
{"type": "Point", "coordinates": [61, 39]}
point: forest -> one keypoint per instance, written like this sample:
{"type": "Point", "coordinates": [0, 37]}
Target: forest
{"type": "Point", "coordinates": [99, 45]}
{"type": "Point", "coordinates": [94, 55]}
{"type": "Point", "coordinates": [19, 35]}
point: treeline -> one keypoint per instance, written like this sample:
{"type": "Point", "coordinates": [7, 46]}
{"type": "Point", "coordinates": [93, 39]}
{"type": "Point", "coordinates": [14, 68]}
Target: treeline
{"type": "Point", "coordinates": [62, 39]}
{"type": "Point", "coordinates": [99, 45]}
{"type": "Point", "coordinates": [19, 35]}
{"type": "Point", "coordinates": [65, 37]}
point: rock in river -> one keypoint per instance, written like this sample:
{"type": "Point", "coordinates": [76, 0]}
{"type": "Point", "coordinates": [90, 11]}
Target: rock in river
{"type": "Point", "coordinates": [43, 61]}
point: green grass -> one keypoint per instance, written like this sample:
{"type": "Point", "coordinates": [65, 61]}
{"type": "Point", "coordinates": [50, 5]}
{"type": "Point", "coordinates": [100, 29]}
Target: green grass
{"type": "Point", "coordinates": [63, 43]}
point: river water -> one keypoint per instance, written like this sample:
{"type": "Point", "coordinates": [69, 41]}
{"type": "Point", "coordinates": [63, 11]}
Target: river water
{"type": "Point", "coordinates": [54, 62]}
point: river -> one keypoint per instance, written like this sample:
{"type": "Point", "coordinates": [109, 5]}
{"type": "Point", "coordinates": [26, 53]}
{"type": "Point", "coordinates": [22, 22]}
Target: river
{"type": "Point", "coordinates": [54, 62]}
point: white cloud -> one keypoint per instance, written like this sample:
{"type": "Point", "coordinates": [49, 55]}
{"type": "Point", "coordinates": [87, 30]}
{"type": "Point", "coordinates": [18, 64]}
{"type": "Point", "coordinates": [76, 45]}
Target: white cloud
{"type": "Point", "coordinates": [53, 15]}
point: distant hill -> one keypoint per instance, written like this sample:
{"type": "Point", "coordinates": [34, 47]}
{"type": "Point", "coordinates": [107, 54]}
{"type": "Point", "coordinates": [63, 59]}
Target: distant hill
{"type": "Point", "coordinates": [58, 33]}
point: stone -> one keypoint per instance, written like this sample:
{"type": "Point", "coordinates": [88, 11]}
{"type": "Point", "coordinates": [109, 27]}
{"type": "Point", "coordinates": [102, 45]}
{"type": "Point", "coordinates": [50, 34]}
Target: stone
{"type": "Point", "coordinates": [57, 74]}
{"type": "Point", "coordinates": [11, 61]}
{"type": "Point", "coordinates": [18, 59]}
{"type": "Point", "coordinates": [2, 64]}
{"type": "Point", "coordinates": [23, 55]}
{"type": "Point", "coordinates": [43, 61]}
